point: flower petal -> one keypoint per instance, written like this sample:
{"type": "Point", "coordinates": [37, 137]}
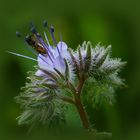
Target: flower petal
{"type": "Point", "coordinates": [40, 73]}
{"type": "Point", "coordinates": [45, 63]}
{"type": "Point", "coordinates": [59, 64]}
{"type": "Point", "coordinates": [62, 46]}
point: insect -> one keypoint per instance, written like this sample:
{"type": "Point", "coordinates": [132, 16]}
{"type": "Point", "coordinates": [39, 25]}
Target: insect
{"type": "Point", "coordinates": [35, 43]}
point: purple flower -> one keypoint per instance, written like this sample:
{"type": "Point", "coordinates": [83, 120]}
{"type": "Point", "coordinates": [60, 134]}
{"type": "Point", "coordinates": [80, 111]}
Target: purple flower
{"type": "Point", "coordinates": [64, 76]}
{"type": "Point", "coordinates": [54, 59]}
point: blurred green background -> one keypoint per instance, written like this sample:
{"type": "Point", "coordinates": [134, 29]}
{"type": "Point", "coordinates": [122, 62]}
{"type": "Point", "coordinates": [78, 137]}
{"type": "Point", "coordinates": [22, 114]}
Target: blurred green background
{"type": "Point", "coordinates": [115, 22]}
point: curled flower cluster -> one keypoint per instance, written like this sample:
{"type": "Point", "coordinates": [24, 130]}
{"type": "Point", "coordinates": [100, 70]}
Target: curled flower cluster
{"type": "Point", "coordinates": [65, 76]}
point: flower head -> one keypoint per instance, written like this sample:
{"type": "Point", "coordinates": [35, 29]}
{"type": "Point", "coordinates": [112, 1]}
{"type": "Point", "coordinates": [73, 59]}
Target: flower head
{"type": "Point", "coordinates": [64, 75]}
{"type": "Point", "coordinates": [54, 59]}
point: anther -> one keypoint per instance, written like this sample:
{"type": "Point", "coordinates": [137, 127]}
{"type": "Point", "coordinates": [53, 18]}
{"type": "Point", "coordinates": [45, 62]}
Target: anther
{"type": "Point", "coordinates": [33, 28]}
{"type": "Point", "coordinates": [52, 34]}
{"type": "Point", "coordinates": [51, 29]}
{"type": "Point", "coordinates": [45, 24]}
{"type": "Point", "coordinates": [18, 34]}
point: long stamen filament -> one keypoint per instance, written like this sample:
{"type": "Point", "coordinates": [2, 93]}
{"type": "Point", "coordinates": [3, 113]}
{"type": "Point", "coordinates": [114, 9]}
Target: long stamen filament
{"type": "Point", "coordinates": [47, 39]}
{"type": "Point", "coordinates": [52, 34]}
{"type": "Point", "coordinates": [48, 48]}
{"type": "Point", "coordinates": [28, 57]}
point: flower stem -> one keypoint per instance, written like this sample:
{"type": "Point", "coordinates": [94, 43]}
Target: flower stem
{"type": "Point", "coordinates": [78, 103]}
{"type": "Point", "coordinates": [80, 108]}
{"type": "Point", "coordinates": [82, 113]}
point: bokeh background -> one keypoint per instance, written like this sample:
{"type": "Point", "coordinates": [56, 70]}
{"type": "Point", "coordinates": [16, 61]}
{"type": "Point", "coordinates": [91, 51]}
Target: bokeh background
{"type": "Point", "coordinates": [115, 22]}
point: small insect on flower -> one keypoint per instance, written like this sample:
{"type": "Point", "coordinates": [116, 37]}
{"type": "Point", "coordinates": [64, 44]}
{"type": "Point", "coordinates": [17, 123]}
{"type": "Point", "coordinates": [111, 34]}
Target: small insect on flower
{"type": "Point", "coordinates": [35, 43]}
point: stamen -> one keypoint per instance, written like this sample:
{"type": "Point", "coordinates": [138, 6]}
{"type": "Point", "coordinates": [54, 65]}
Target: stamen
{"type": "Point", "coordinates": [51, 31]}
{"type": "Point", "coordinates": [28, 57]}
{"type": "Point", "coordinates": [52, 34]}
{"type": "Point", "coordinates": [33, 29]}
{"type": "Point", "coordinates": [41, 40]}
{"type": "Point", "coordinates": [47, 39]}
{"type": "Point", "coordinates": [18, 34]}
{"type": "Point", "coordinates": [45, 24]}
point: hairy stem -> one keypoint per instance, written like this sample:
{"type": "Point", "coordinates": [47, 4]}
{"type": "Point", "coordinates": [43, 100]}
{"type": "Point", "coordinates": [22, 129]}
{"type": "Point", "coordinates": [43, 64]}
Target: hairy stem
{"type": "Point", "coordinates": [77, 102]}
{"type": "Point", "coordinates": [80, 85]}
{"type": "Point", "coordinates": [82, 113]}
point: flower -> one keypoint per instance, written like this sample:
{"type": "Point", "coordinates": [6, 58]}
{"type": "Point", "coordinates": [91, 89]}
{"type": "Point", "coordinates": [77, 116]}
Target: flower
{"type": "Point", "coordinates": [64, 75]}
{"type": "Point", "coordinates": [53, 60]}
